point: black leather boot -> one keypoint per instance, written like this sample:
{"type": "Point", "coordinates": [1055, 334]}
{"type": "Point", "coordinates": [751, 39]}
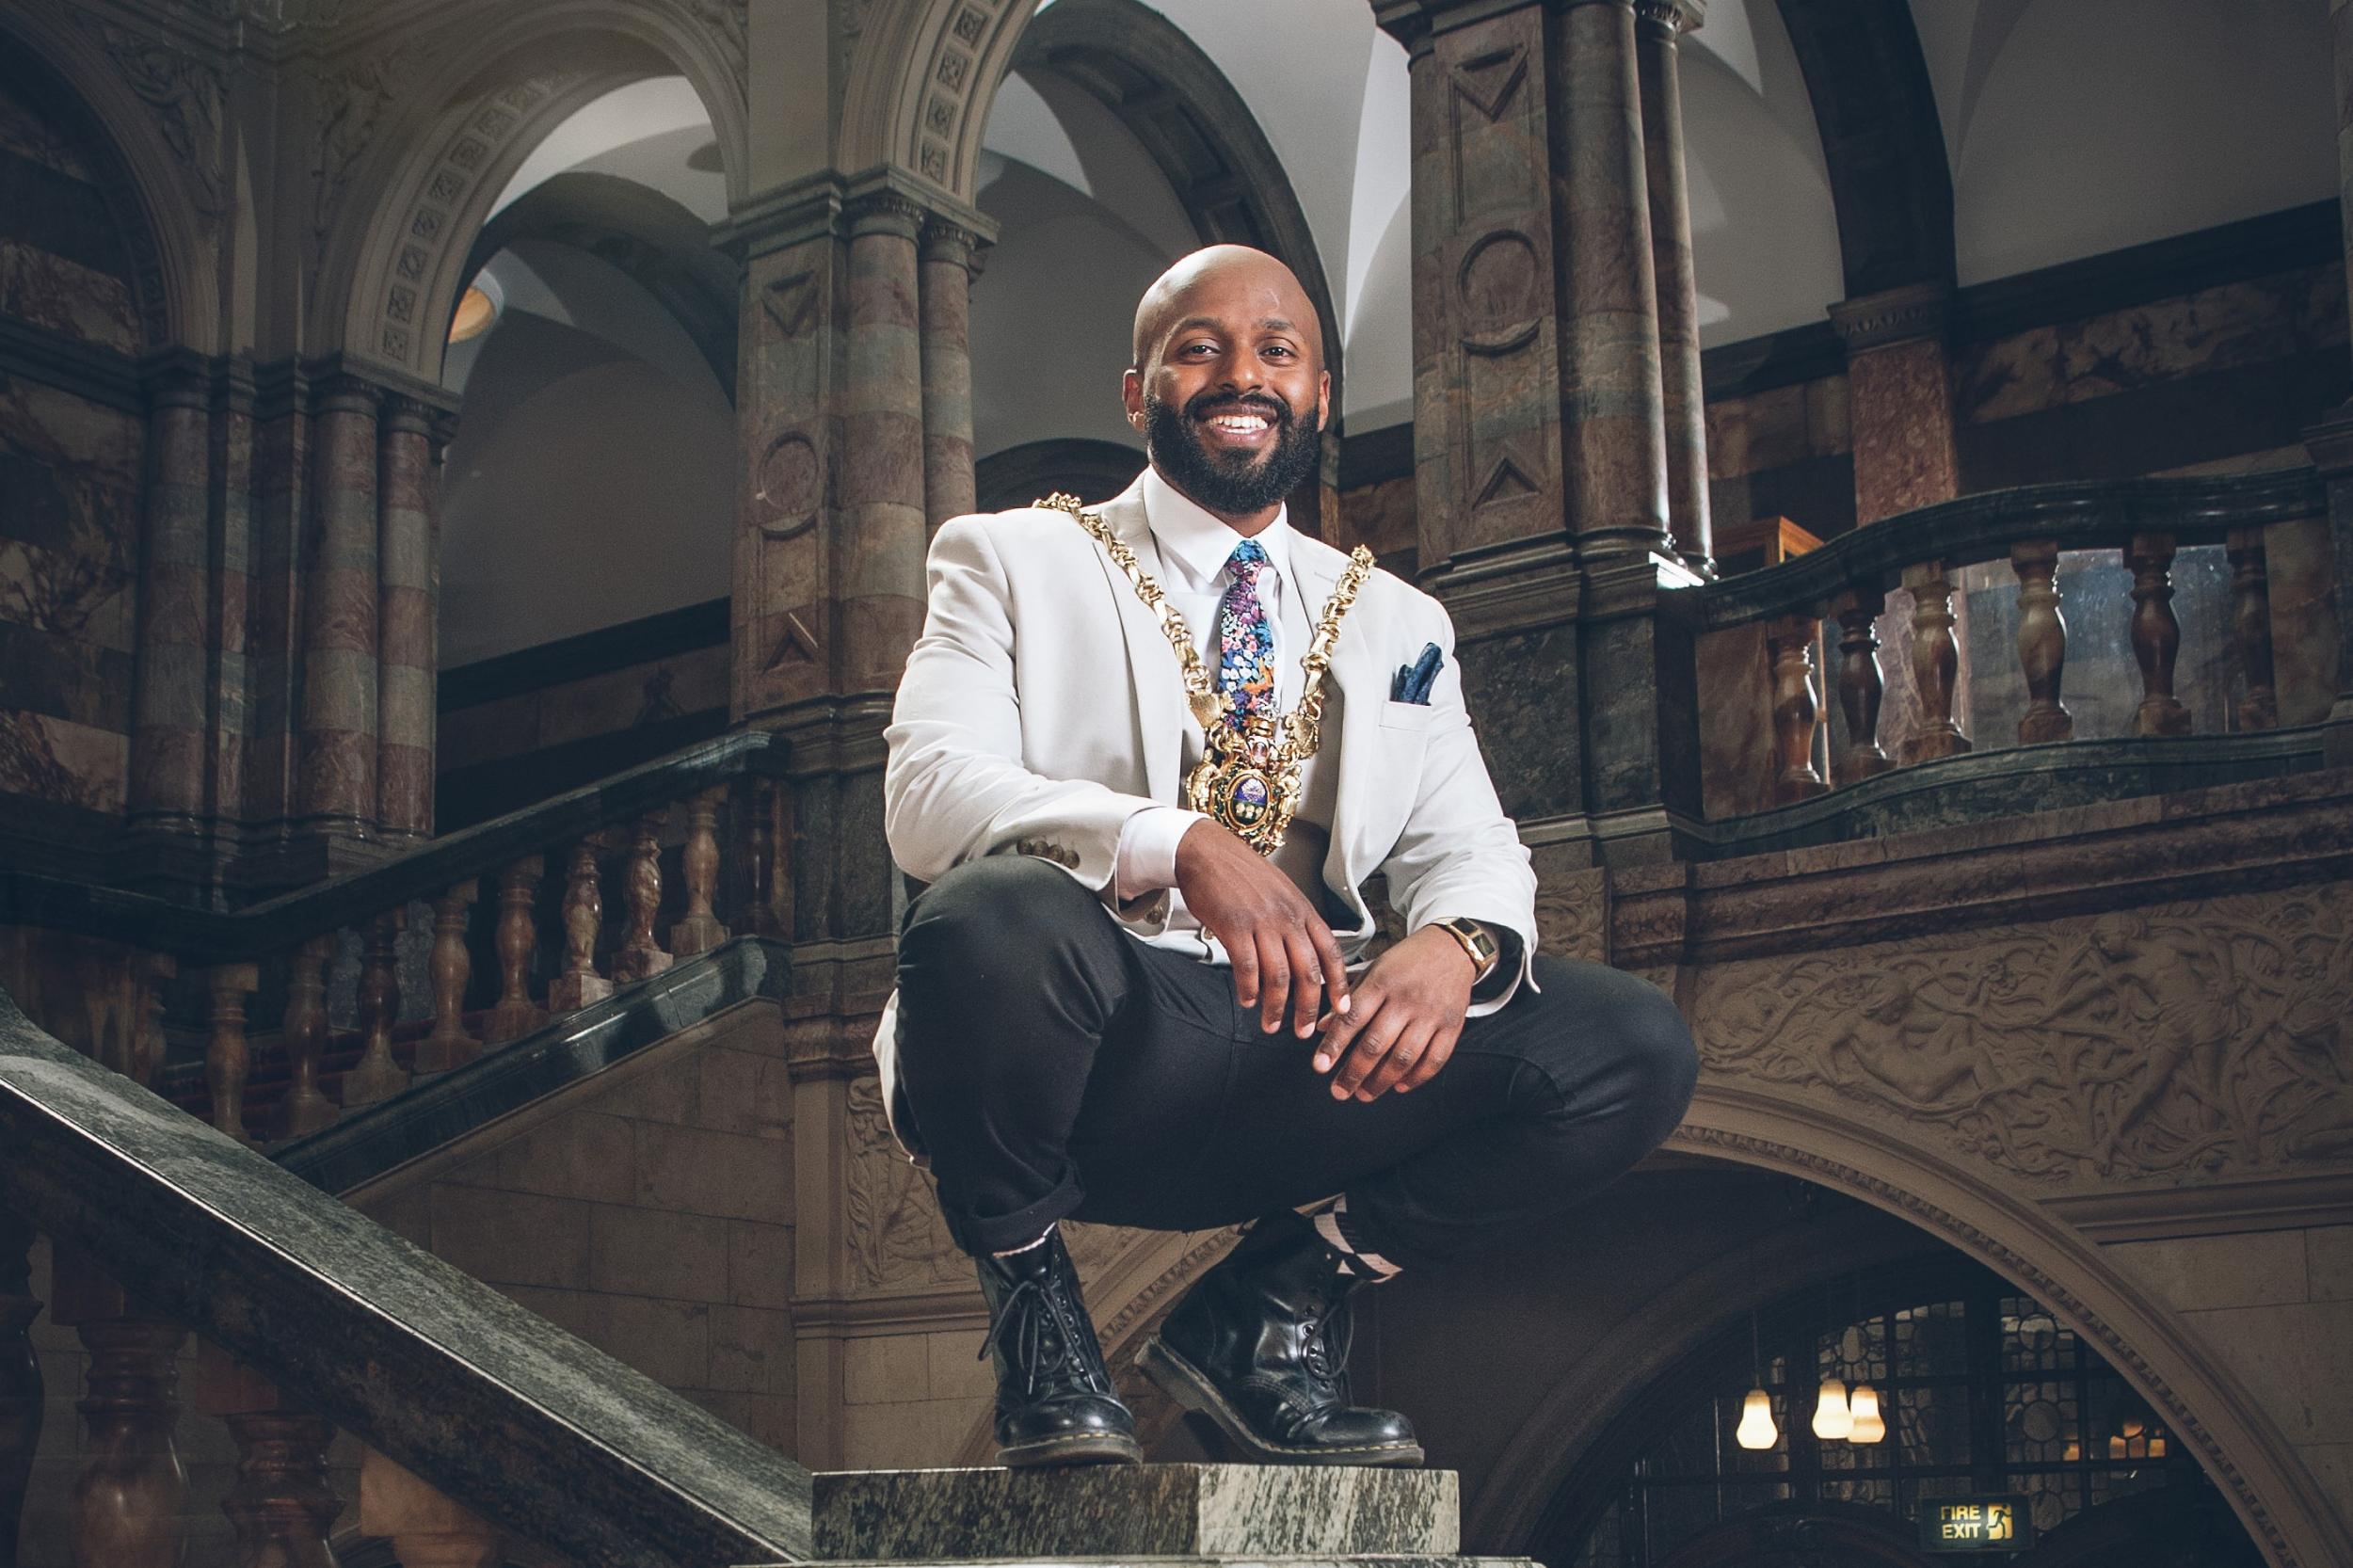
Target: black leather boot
{"type": "Point", "coordinates": [1054, 1401]}
{"type": "Point", "coordinates": [1259, 1345]}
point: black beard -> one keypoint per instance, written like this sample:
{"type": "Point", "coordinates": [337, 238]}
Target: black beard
{"type": "Point", "coordinates": [1234, 484]}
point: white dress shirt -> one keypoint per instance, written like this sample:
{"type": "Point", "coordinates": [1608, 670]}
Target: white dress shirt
{"type": "Point", "coordinates": [1194, 545]}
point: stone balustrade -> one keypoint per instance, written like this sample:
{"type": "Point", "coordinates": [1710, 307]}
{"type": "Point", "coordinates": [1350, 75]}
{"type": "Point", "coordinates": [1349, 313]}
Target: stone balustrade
{"type": "Point", "coordinates": [2095, 564]}
{"type": "Point", "coordinates": [345, 995]}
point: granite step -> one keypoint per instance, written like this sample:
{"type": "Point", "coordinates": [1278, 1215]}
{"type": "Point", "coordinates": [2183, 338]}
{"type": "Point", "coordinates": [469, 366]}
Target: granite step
{"type": "Point", "coordinates": [1297, 1515]}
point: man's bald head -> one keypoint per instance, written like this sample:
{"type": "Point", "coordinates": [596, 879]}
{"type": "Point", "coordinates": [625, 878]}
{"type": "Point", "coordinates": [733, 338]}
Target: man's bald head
{"type": "Point", "coordinates": [1225, 276]}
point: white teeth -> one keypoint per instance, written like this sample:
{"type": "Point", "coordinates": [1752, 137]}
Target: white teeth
{"type": "Point", "coordinates": [1238, 424]}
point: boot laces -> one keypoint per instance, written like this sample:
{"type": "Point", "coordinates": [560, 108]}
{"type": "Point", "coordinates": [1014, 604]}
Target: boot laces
{"type": "Point", "coordinates": [1046, 1344]}
{"type": "Point", "coordinates": [1325, 1360]}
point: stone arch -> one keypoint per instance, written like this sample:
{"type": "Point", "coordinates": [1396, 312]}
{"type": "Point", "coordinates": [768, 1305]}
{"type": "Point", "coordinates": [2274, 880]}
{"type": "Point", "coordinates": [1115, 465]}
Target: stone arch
{"type": "Point", "coordinates": [402, 221]}
{"type": "Point", "coordinates": [1882, 142]}
{"type": "Point", "coordinates": [2237, 1442]}
{"type": "Point", "coordinates": [164, 192]}
{"type": "Point", "coordinates": [658, 245]}
{"type": "Point", "coordinates": [921, 80]}
{"type": "Point", "coordinates": [1091, 470]}
{"type": "Point", "coordinates": [1184, 112]}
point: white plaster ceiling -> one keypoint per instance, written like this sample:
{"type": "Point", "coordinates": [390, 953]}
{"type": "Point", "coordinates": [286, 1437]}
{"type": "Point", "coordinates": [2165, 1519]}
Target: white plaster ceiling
{"type": "Point", "coordinates": [655, 132]}
{"type": "Point", "coordinates": [2080, 126]}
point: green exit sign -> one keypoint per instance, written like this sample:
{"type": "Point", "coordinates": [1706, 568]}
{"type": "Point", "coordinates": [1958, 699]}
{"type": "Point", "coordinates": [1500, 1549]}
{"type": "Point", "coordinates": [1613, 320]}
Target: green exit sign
{"type": "Point", "coordinates": [1976, 1524]}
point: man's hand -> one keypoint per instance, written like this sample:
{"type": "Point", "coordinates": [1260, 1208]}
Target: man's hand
{"type": "Point", "coordinates": [1284, 957]}
{"type": "Point", "coordinates": [1408, 1015]}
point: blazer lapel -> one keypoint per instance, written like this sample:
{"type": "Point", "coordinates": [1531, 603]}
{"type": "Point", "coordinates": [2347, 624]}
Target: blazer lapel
{"type": "Point", "coordinates": [1162, 718]}
{"type": "Point", "coordinates": [1354, 680]}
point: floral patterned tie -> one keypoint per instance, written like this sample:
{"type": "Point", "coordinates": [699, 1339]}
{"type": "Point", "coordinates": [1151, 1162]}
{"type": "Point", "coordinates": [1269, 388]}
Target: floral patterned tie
{"type": "Point", "coordinates": [1245, 669]}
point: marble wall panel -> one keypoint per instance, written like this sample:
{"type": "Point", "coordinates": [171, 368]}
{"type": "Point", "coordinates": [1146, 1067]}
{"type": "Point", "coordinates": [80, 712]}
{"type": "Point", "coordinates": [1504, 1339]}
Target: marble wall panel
{"type": "Point", "coordinates": [69, 472]}
{"type": "Point", "coordinates": [2228, 327]}
{"type": "Point", "coordinates": [56, 759]}
{"type": "Point", "coordinates": [72, 300]}
{"type": "Point", "coordinates": [65, 265]}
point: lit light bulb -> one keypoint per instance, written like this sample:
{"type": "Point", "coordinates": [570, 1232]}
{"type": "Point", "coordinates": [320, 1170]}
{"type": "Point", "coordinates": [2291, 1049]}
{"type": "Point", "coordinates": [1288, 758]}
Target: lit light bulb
{"type": "Point", "coordinates": [1757, 1421]}
{"type": "Point", "coordinates": [1831, 1418]}
{"type": "Point", "coordinates": [1869, 1426]}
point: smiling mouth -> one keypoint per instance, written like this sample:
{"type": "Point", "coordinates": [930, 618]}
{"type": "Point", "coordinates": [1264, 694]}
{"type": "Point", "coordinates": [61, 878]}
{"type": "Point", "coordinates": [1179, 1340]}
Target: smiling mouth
{"type": "Point", "coordinates": [1236, 426]}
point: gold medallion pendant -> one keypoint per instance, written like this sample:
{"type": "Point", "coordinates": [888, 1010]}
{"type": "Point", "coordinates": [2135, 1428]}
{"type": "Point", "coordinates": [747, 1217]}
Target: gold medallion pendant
{"type": "Point", "coordinates": [1246, 783]}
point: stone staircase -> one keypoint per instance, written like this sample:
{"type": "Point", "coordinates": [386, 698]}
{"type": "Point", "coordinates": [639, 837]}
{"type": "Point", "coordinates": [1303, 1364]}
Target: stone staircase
{"type": "Point", "coordinates": [1233, 1515]}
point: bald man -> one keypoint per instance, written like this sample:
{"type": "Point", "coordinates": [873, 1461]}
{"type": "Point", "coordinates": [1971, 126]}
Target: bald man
{"type": "Point", "coordinates": [1133, 993]}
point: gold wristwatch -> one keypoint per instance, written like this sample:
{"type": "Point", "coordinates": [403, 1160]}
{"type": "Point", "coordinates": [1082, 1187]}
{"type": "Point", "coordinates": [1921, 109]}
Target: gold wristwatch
{"type": "Point", "coordinates": [1477, 940]}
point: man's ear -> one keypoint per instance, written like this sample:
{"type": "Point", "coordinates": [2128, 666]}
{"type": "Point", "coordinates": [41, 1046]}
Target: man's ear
{"type": "Point", "coordinates": [1323, 399]}
{"type": "Point", "coordinates": [1131, 394]}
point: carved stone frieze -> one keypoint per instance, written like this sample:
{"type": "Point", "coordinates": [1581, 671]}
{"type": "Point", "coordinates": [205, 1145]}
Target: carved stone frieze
{"type": "Point", "coordinates": [1572, 915]}
{"type": "Point", "coordinates": [2149, 1044]}
{"type": "Point", "coordinates": [186, 94]}
{"type": "Point", "coordinates": [945, 104]}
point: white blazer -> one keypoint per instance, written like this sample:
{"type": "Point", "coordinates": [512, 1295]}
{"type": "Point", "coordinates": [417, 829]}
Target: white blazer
{"type": "Point", "coordinates": [1043, 707]}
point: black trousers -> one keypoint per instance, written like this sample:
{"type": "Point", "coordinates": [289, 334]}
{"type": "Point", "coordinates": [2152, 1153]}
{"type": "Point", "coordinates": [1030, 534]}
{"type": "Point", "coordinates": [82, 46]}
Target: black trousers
{"type": "Point", "coordinates": [1056, 1067]}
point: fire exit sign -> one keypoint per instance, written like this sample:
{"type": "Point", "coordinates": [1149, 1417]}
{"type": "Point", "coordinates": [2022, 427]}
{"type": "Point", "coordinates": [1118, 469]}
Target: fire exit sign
{"type": "Point", "coordinates": [1976, 1524]}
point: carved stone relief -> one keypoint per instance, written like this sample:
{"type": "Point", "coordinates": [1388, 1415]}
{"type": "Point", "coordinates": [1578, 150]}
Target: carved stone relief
{"type": "Point", "coordinates": [351, 96]}
{"type": "Point", "coordinates": [896, 1238]}
{"type": "Point", "coordinates": [2188, 1039]}
{"type": "Point", "coordinates": [185, 93]}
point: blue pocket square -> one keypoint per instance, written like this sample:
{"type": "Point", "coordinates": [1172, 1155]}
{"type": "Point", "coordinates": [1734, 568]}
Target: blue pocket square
{"type": "Point", "coordinates": [1413, 681]}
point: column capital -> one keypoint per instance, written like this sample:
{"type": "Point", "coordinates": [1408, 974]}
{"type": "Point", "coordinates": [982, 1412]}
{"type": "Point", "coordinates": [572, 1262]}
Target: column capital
{"type": "Point", "coordinates": [944, 239]}
{"type": "Point", "coordinates": [407, 415]}
{"type": "Point", "coordinates": [884, 212]}
{"type": "Point", "coordinates": [1914, 313]}
{"type": "Point", "coordinates": [1671, 19]}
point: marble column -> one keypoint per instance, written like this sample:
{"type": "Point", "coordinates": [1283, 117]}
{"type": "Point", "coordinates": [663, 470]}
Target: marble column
{"type": "Point", "coordinates": [335, 773]}
{"type": "Point", "coordinates": [1900, 394]}
{"type": "Point", "coordinates": [1660, 26]}
{"type": "Point", "coordinates": [281, 500]}
{"type": "Point", "coordinates": [1611, 392]}
{"type": "Point", "coordinates": [169, 709]}
{"type": "Point", "coordinates": [2330, 441]}
{"type": "Point", "coordinates": [882, 536]}
{"type": "Point", "coordinates": [229, 740]}
{"type": "Point", "coordinates": [1906, 455]}
{"type": "Point", "coordinates": [405, 673]}
{"type": "Point", "coordinates": [951, 257]}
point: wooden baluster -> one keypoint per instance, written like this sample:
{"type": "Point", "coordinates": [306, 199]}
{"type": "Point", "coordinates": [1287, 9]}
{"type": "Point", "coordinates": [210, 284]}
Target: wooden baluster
{"type": "Point", "coordinates": [641, 957]}
{"type": "Point", "coordinates": [2156, 635]}
{"type": "Point", "coordinates": [147, 1044]}
{"type": "Point", "coordinates": [1935, 665]}
{"type": "Point", "coordinates": [2250, 624]}
{"type": "Point", "coordinates": [1797, 710]}
{"type": "Point", "coordinates": [20, 1378]}
{"type": "Point", "coordinates": [376, 1076]}
{"type": "Point", "coordinates": [281, 1505]}
{"type": "Point", "coordinates": [226, 1056]}
{"type": "Point", "coordinates": [306, 1108]}
{"type": "Point", "coordinates": [1861, 685]}
{"type": "Point", "coordinates": [449, 1045]}
{"type": "Point", "coordinates": [2041, 641]}
{"type": "Point", "coordinates": [765, 817]}
{"type": "Point", "coordinates": [426, 1528]}
{"type": "Point", "coordinates": [127, 1505]}
{"type": "Point", "coordinates": [515, 1014]}
{"type": "Point", "coordinates": [583, 914]}
{"type": "Point", "coordinates": [700, 931]}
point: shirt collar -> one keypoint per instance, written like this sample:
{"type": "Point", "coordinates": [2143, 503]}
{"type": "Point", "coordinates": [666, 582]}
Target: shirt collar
{"type": "Point", "coordinates": [1199, 540]}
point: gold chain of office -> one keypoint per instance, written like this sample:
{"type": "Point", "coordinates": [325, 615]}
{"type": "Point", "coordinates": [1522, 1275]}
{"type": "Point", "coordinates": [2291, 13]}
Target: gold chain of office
{"type": "Point", "coordinates": [1248, 778]}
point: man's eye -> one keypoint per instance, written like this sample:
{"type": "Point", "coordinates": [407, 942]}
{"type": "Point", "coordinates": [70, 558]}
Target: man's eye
{"type": "Point", "coordinates": [1280, 351]}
